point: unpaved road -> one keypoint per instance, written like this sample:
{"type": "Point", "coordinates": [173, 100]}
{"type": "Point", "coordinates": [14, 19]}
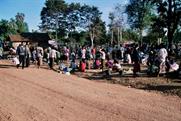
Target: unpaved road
{"type": "Point", "coordinates": [43, 95]}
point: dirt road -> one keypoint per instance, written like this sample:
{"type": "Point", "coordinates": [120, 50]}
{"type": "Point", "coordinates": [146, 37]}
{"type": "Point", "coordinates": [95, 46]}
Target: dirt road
{"type": "Point", "coordinates": [43, 95]}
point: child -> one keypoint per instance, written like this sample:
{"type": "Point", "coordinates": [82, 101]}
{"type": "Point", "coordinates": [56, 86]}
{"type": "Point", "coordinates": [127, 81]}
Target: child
{"type": "Point", "coordinates": [97, 63]}
{"type": "Point", "coordinates": [16, 61]}
{"type": "Point", "coordinates": [83, 66]}
{"type": "Point", "coordinates": [73, 65]}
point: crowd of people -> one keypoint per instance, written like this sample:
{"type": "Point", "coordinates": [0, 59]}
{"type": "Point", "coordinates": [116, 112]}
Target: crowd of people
{"type": "Point", "coordinates": [108, 59]}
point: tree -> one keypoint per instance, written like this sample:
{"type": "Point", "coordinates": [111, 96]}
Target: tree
{"type": "Point", "coordinates": [91, 22]}
{"type": "Point", "coordinates": [4, 29]}
{"type": "Point", "coordinates": [139, 14]}
{"type": "Point", "coordinates": [73, 16]}
{"type": "Point", "coordinates": [129, 34]}
{"type": "Point", "coordinates": [111, 26]}
{"type": "Point", "coordinates": [177, 37]}
{"type": "Point", "coordinates": [53, 17]}
{"type": "Point", "coordinates": [65, 19]}
{"type": "Point", "coordinates": [21, 25]}
{"type": "Point", "coordinates": [117, 23]}
{"type": "Point", "coordinates": [169, 18]}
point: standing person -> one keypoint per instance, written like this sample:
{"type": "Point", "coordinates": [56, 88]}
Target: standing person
{"type": "Point", "coordinates": [103, 57]}
{"type": "Point", "coordinates": [83, 65]}
{"type": "Point", "coordinates": [39, 54]}
{"type": "Point", "coordinates": [27, 55]}
{"type": "Point", "coordinates": [52, 57]}
{"type": "Point", "coordinates": [128, 57]}
{"type": "Point", "coordinates": [122, 52]}
{"type": "Point", "coordinates": [136, 60]}
{"type": "Point", "coordinates": [67, 51]}
{"type": "Point", "coordinates": [21, 53]}
{"type": "Point", "coordinates": [93, 52]}
{"type": "Point", "coordinates": [88, 57]}
{"type": "Point", "coordinates": [162, 55]}
{"type": "Point", "coordinates": [83, 53]}
{"type": "Point", "coordinates": [34, 57]}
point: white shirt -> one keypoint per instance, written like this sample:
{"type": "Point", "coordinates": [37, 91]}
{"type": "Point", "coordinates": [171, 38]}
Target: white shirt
{"type": "Point", "coordinates": [52, 53]}
{"type": "Point", "coordinates": [103, 55]}
{"type": "Point", "coordinates": [162, 54]}
{"type": "Point", "coordinates": [83, 53]}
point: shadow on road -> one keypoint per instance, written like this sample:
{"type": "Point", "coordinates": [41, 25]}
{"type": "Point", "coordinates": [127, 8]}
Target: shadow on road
{"type": "Point", "coordinates": [7, 66]}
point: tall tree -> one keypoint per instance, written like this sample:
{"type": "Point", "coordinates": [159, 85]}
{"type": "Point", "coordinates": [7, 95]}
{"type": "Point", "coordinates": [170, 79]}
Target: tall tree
{"type": "Point", "coordinates": [73, 16]}
{"type": "Point", "coordinates": [91, 21]}
{"type": "Point", "coordinates": [139, 14]}
{"type": "Point", "coordinates": [117, 23]}
{"type": "Point", "coordinates": [53, 16]}
{"type": "Point", "coordinates": [169, 17]}
{"type": "Point", "coordinates": [68, 18]}
{"type": "Point", "coordinates": [13, 26]}
{"type": "Point", "coordinates": [21, 25]}
{"type": "Point", "coordinates": [4, 29]}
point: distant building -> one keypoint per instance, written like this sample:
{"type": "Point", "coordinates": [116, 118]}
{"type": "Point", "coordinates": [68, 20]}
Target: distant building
{"type": "Point", "coordinates": [34, 39]}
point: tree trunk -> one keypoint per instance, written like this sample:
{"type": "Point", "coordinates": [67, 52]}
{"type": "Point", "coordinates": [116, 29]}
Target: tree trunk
{"type": "Point", "coordinates": [141, 37]}
{"type": "Point", "coordinates": [92, 43]}
{"type": "Point", "coordinates": [118, 36]}
{"type": "Point", "coordinates": [112, 37]}
{"type": "Point", "coordinates": [170, 39]}
{"type": "Point", "coordinates": [92, 39]}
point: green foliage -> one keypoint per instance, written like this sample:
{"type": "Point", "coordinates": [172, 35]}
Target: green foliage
{"type": "Point", "coordinates": [4, 29]}
{"type": "Point", "coordinates": [139, 14]}
{"type": "Point", "coordinates": [13, 26]}
{"type": "Point", "coordinates": [65, 19]}
{"type": "Point", "coordinates": [169, 17]}
{"type": "Point", "coordinates": [21, 25]}
{"type": "Point", "coordinates": [129, 34]}
{"type": "Point", "coordinates": [177, 37]}
{"type": "Point", "coordinates": [117, 24]}
{"type": "Point", "coordinates": [53, 16]}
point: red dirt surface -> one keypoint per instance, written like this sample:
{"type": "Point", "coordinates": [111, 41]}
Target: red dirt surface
{"type": "Point", "coordinates": [43, 95]}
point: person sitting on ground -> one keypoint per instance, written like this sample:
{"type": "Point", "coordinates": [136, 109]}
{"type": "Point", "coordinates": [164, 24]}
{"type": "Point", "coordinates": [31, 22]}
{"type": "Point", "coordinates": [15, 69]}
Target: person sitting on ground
{"type": "Point", "coordinates": [153, 68]}
{"type": "Point", "coordinates": [97, 63]}
{"type": "Point", "coordinates": [109, 63]}
{"type": "Point", "coordinates": [62, 66]}
{"type": "Point", "coordinates": [73, 66]}
{"type": "Point", "coordinates": [117, 67]}
{"type": "Point", "coordinates": [173, 66]}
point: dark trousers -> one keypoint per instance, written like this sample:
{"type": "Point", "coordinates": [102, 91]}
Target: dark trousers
{"type": "Point", "coordinates": [21, 60]}
{"type": "Point", "coordinates": [27, 61]}
{"type": "Point", "coordinates": [51, 62]}
{"type": "Point", "coordinates": [102, 64]}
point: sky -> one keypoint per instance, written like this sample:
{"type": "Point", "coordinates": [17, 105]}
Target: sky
{"type": "Point", "coordinates": [32, 9]}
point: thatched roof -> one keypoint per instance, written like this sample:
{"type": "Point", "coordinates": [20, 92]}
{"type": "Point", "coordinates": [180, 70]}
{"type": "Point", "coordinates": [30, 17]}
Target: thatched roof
{"type": "Point", "coordinates": [33, 39]}
{"type": "Point", "coordinates": [29, 37]}
{"type": "Point", "coordinates": [16, 38]}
